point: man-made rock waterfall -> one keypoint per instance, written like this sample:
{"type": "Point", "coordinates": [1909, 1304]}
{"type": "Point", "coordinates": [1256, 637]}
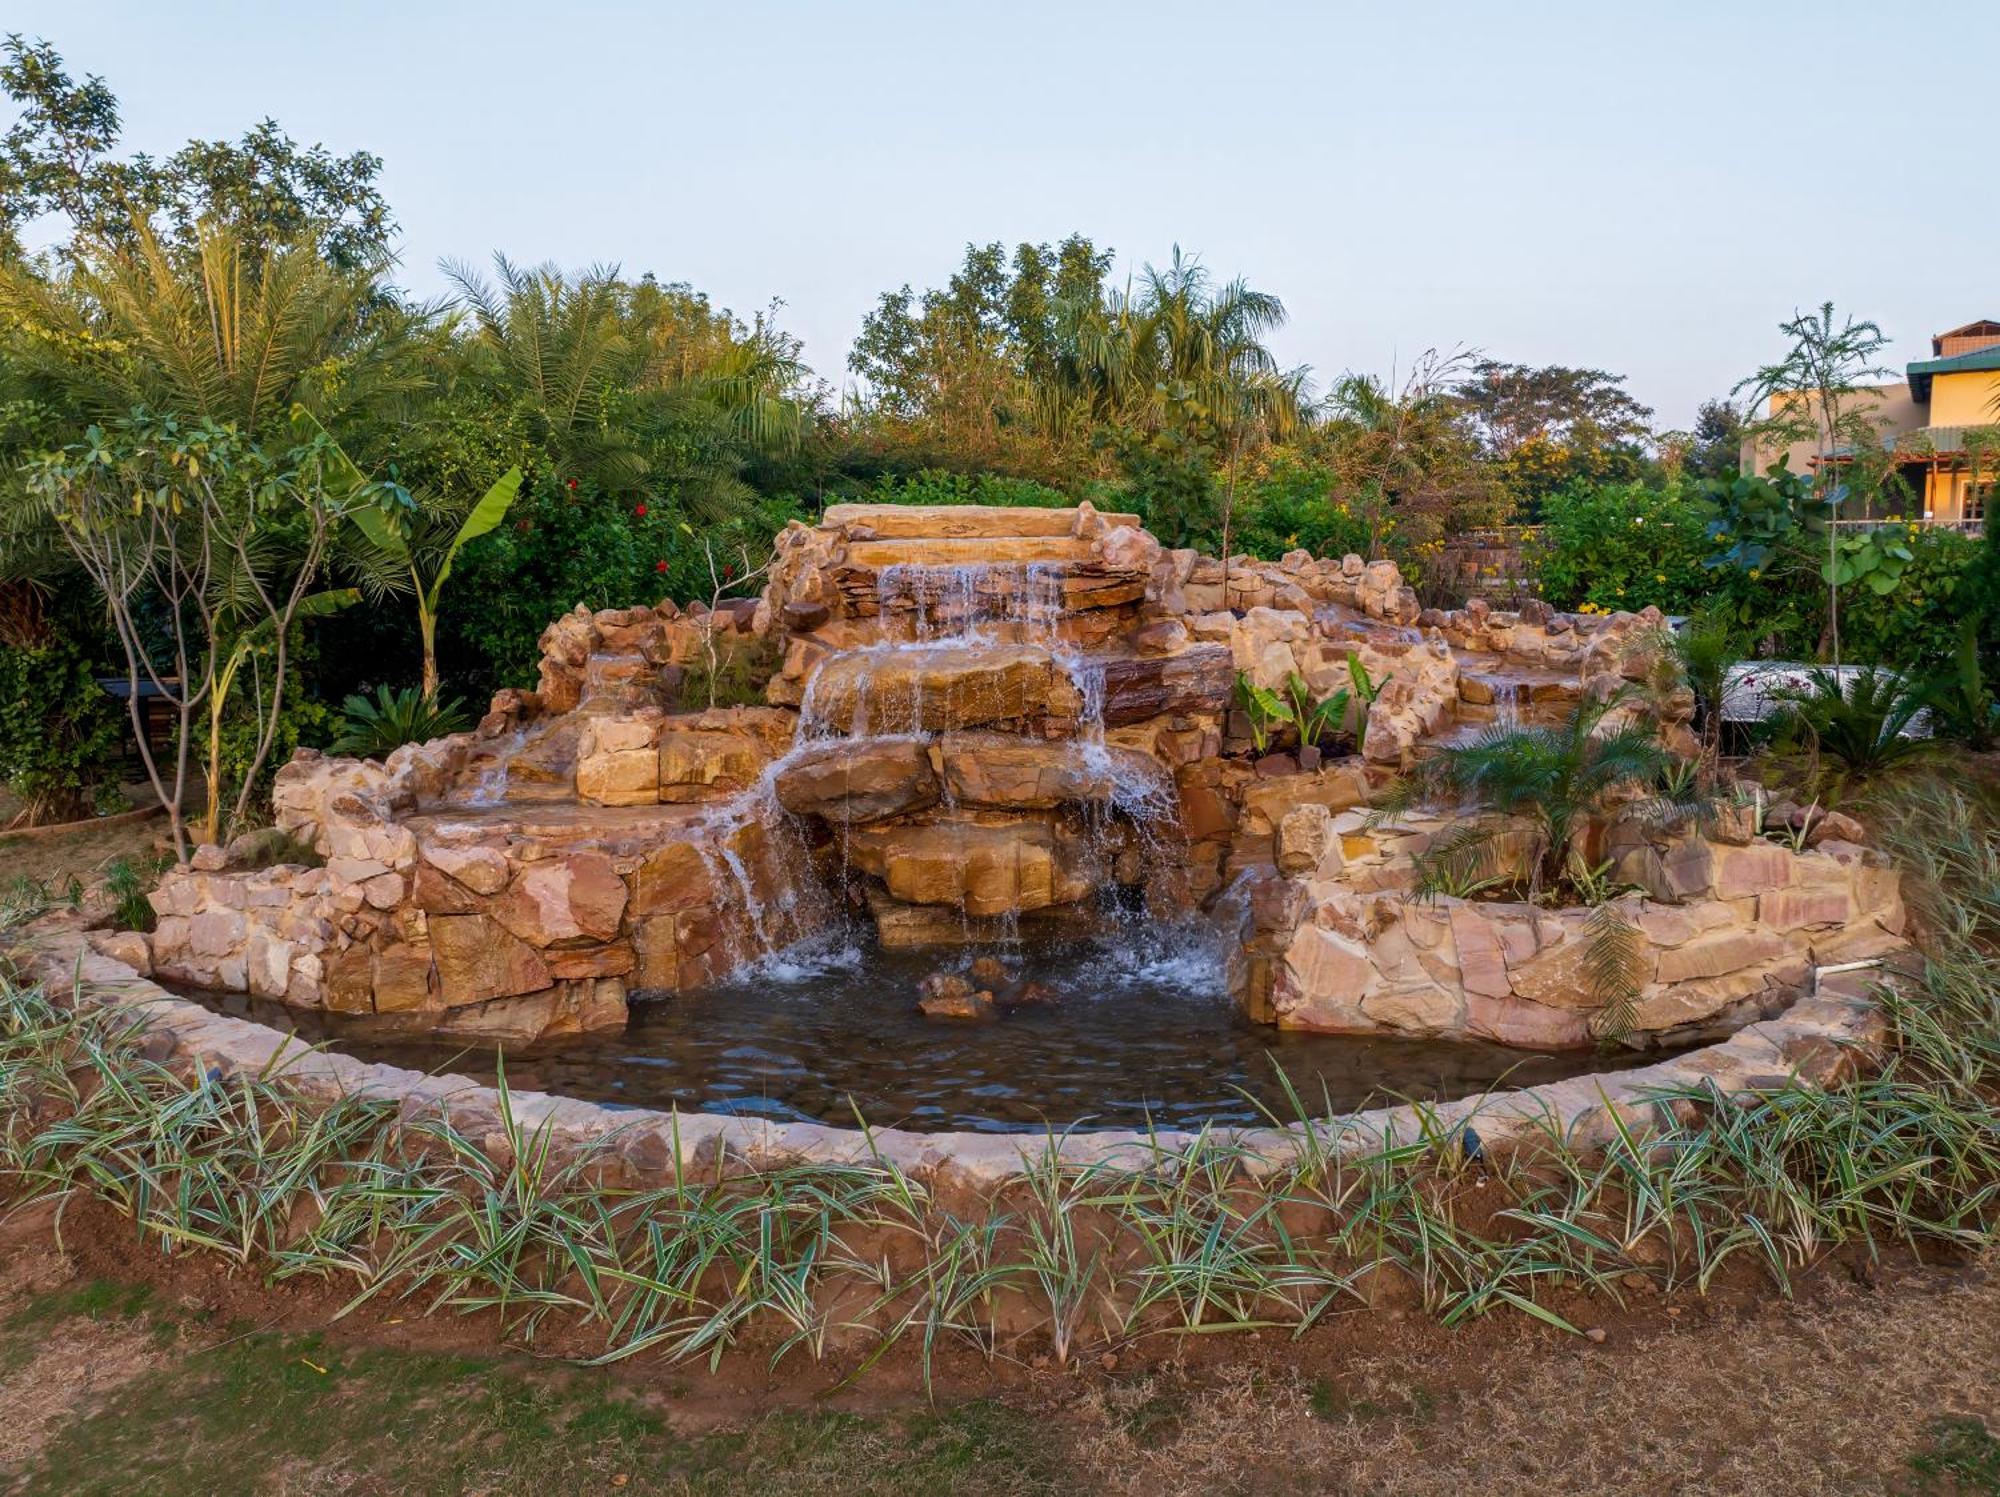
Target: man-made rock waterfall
{"type": "Point", "coordinates": [981, 726]}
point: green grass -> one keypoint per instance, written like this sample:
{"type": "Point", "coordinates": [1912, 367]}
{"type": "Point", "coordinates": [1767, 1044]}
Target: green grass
{"type": "Point", "coordinates": [1962, 1457]}
{"type": "Point", "coordinates": [248, 1414]}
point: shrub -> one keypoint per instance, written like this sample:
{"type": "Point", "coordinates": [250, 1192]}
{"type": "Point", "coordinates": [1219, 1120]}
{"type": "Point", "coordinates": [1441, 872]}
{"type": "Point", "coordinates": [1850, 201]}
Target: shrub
{"type": "Point", "coordinates": [59, 731]}
{"type": "Point", "coordinates": [1860, 727]}
{"type": "Point", "coordinates": [1295, 506]}
{"type": "Point", "coordinates": [936, 486]}
{"type": "Point", "coordinates": [1919, 620]}
{"type": "Point", "coordinates": [1626, 546]}
{"type": "Point", "coordinates": [394, 718]}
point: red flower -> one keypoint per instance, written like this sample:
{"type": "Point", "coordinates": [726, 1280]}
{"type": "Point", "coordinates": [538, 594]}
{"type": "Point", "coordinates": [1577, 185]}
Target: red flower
{"type": "Point", "coordinates": [639, 510]}
{"type": "Point", "coordinates": [729, 571]}
{"type": "Point", "coordinates": [571, 485]}
{"type": "Point", "coordinates": [659, 566]}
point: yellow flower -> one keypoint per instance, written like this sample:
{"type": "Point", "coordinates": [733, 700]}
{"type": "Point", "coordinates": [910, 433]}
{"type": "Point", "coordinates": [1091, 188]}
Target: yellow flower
{"type": "Point", "coordinates": [1659, 576]}
{"type": "Point", "coordinates": [1753, 572]}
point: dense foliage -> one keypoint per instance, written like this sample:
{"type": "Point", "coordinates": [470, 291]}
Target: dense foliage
{"type": "Point", "coordinates": [242, 287]}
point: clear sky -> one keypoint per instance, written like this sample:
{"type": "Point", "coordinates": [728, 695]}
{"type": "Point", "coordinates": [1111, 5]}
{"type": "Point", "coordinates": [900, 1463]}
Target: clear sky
{"type": "Point", "coordinates": [1644, 188]}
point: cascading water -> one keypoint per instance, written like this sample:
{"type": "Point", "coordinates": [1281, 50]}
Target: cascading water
{"type": "Point", "coordinates": [951, 611]}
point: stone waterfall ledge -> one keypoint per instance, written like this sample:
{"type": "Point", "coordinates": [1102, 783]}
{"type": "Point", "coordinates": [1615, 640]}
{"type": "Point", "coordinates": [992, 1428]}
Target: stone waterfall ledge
{"type": "Point", "coordinates": [1822, 1039]}
{"type": "Point", "coordinates": [525, 925]}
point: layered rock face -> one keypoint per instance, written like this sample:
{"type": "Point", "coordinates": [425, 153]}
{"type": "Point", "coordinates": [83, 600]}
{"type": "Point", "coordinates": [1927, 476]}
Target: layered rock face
{"type": "Point", "coordinates": [979, 725]}
{"type": "Point", "coordinates": [1337, 942]}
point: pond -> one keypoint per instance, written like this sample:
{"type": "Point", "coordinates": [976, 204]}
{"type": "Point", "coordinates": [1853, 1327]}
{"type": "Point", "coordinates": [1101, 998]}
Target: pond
{"type": "Point", "coordinates": [1140, 1029]}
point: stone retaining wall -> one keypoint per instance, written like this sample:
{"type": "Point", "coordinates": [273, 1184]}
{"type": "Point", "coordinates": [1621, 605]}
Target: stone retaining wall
{"type": "Point", "coordinates": [1338, 943]}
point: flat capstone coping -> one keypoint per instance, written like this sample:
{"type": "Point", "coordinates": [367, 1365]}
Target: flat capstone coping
{"type": "Point", "coordinates": [1827, 1033]}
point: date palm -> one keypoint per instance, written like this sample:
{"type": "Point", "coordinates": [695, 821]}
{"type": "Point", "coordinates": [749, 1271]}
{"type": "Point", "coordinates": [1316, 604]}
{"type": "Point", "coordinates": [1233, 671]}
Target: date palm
{"type": "Point", "coordinates": [229, 331]}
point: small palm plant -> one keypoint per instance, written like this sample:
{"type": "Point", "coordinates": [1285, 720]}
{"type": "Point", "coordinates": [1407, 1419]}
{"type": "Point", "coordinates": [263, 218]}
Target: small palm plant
{"type": "Point", "coordinates": [394, 718]}
{"type": "Point", "coordinates": [1557, 778]}
{"type": "Point", "coordinates": [1706, 649]}
{"type": "Point", "coordinates": [1865, 726]}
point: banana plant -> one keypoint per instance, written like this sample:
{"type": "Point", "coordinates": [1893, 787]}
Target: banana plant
{"type": "Point", "coordinates": [1365, 692]}
{"type": "Point", "coordinates": [386, 526]}
{"type": "Point", "coordinates": [1264, 708]}
{"type": "Point", "coordinates": [258, 636]}
{"type": "Point", "coordinates": [1315, 719]}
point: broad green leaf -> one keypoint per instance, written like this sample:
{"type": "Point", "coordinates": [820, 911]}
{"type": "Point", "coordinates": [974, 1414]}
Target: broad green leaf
{"type": "Point", "coordinates": [486, 514]}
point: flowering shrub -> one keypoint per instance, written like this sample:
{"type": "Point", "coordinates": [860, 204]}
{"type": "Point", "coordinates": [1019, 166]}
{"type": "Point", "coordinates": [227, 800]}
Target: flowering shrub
{"type": "Point", "coordinates": [1918, 623]}
{"type": "Point", "coordinates": [1623, 546]}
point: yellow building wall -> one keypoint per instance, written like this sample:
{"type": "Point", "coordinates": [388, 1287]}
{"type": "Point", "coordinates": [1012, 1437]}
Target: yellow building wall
{"type": "Point", "coordinates": [1971, 399]}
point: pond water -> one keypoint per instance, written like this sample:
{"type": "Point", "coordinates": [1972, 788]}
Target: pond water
{"type": "Point", "coordinates": [1141, 1029]}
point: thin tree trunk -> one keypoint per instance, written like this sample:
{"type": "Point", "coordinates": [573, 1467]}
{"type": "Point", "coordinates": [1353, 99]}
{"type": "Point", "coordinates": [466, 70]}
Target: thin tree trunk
{"type": "Point", "coordinates": [1229, 513]}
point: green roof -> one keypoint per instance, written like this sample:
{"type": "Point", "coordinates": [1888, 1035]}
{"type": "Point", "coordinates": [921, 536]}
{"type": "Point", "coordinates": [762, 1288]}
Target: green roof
{"type": "Point", "coordinates": [1922, 370]}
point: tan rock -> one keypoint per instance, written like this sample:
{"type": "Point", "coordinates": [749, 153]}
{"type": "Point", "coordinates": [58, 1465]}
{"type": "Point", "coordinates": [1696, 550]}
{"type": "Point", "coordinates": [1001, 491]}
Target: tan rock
{"type": "Point", "coordinates": [1720, 953]}
{"type": "Point", "coordinates": [937, 690]}
{"type": "Point", "coordinates": [563, 899]}
{"type": "Point", "coordinates": [1791, 909]}
{"type": "Point", "coordinates": [697, 764]}
{"type": "Point", "coordinates": [984, 870]}
{"type": "Point", "coordinates": [1516, 1021]}
{"type": "Point", "coordinates": [402, 978]}
{"type": "Point", "coordinates": [676, 876]}
{"type": "Point", "coordinates": [858, 780]}
{"type": "Point", "coordinates": [1001, 769]}
{"type": "Point", "coordinates": [1482, 961]}
{"type": "Point", "coordinates": [1338, 786]}
{"type": "Point", "coordinates": [627, 778]}
{"type": "Point", "coordinates": [1418, 1009]}
{"type": "Point", "coordinates": [1754, 869]}
{"type": "Point", "coordinates": [478, 959]}
{"type": "Point", "coordinates": [481, 868]}
{"type": "Point", "coordinates": [937, 521]}
{"type": "Point", "coordinates": [1307, 842]}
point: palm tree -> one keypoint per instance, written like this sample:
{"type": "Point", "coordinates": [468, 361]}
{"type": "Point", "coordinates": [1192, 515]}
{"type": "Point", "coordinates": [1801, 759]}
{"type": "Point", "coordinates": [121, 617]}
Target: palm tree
{"type": "Point", "coordinates": [638, 385]}
{"type": "Point", "coordinates": [1558, 778]}
{"type": "Point", "coordinates": [232, 333]}
{"type": "Point", "coordinates": [1178, 351]}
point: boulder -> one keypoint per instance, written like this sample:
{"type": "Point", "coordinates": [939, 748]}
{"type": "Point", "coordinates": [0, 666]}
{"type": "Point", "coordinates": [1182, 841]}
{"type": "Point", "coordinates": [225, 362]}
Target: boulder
{"type": "Point", "coordinates": [697, 764]}
{"type": "Point", "coordinates": [479, 959]}
{"type": "Point", "coordinates": [1001, 769]}
{"type": "Point", "coordinates": [857, 780]}
{"type": "Point", "coordinates": [984, 870]}
{"type": "Point", "coordinates": [946, 995]}
{"type": "Point", "coordinates": [934, 690]}
{"type": "Point", "coordinates": [579, 896]}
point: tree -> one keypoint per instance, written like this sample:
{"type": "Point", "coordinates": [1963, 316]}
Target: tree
{"type": "Point", "coordinates": [231, 332]}
{"type": "Point", "coordinates": [1716, 445]}
{"type": "Point", "coordinates": [1180, 366]}
{"type": "Point", "coordinates": [1815, 394]}
{"type": "Point", "coordinates": [194, 536]}
{"type": "Point", "coordinates": [968, 374]}
{"type": "Point", "coordinates": [58, 158]}
{"type": "Point", "coordinates": [1407, 453]}
{"type": "Point", "coordinates": [1548, 428]}
{"type": "Point", "coordinates": [641, 390]}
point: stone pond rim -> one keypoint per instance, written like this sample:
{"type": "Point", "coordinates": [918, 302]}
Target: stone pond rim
{"type": "Point", "coordinates": [983, 719]}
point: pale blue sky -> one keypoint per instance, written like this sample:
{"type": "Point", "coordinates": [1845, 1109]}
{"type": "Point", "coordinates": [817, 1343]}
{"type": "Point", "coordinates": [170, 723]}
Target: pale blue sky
{"type": "Point", "coordinates": [1646, 188]}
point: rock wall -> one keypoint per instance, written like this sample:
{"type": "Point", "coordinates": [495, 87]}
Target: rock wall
{"type": "Point", "coordinates": [1337, 942]}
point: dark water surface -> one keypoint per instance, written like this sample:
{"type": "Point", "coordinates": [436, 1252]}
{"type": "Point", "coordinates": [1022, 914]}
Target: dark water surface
{"type": "Point", "coordinates": [1142, 1028]}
